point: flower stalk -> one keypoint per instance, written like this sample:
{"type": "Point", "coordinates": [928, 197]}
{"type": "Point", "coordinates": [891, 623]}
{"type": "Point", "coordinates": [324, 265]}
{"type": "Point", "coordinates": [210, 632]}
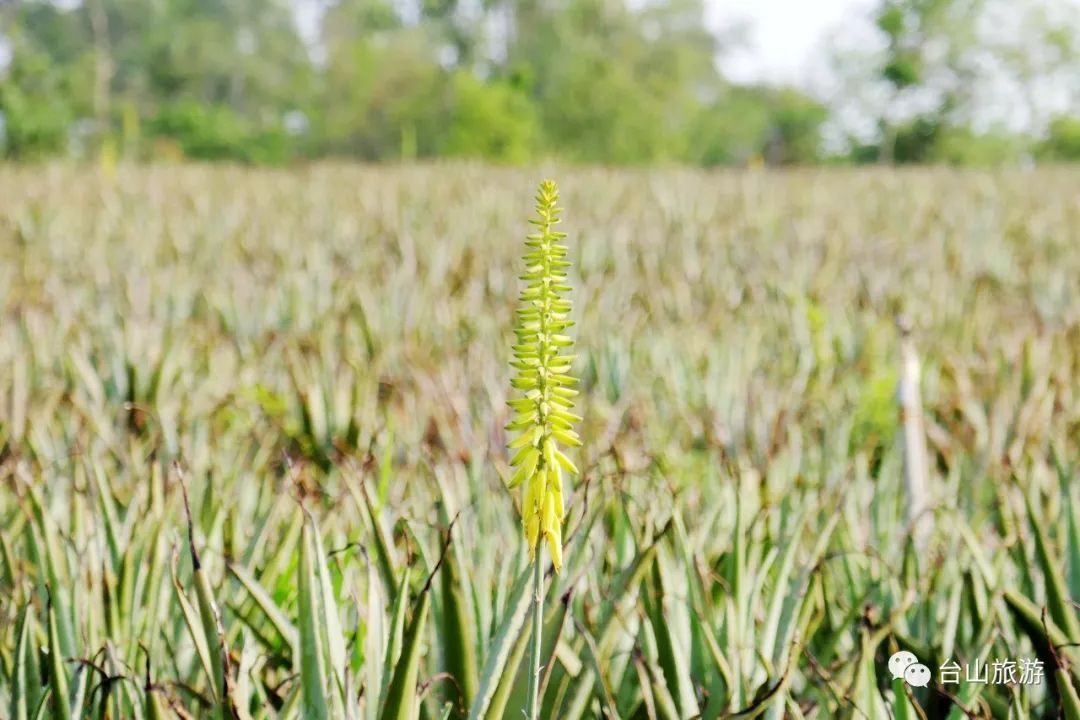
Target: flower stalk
{"type": "Point", "coordinates": [542, 412]}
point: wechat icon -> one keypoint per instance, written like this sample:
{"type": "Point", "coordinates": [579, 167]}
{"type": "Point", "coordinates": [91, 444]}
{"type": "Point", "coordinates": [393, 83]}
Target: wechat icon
{"type": "Point", "coordinates": [903, 665]}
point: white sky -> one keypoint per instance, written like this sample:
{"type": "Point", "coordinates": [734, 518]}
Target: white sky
{"type": "Point", "coordinates": [785, 38]}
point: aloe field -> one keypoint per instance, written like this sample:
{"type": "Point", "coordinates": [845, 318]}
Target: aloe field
{"type": "Point", "coordinates": [254, 450]}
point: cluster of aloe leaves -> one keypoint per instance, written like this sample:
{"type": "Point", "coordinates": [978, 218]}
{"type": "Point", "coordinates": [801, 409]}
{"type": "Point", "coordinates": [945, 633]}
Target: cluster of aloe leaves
{"type": "Point", "coordinates": [318, 357]}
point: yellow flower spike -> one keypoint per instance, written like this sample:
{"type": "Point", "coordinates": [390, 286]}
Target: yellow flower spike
{"type": "Point", "coordinates": [528, 460]}
{"type": "Point", "coordinates": [555, 489]}
{"type": "Point", "coordinates": [553, 531]}
{"type": "Point", "coordinates": [532, 531]}
{"type": "Point", "coordinates": [542, 358]}
{"type": "Point", "coordinates": [550, 522]}
{"type": "Point", "coordinates": [555, 548]}
{"type": "Point", "coordinates": [534, 501]}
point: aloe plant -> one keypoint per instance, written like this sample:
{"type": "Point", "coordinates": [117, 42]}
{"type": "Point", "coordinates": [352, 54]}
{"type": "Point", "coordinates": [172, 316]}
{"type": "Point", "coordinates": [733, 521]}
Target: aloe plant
{"type": "Point", "coordinates": [736, 547]}
{"type": "Point", "coordinates": [543, 416]}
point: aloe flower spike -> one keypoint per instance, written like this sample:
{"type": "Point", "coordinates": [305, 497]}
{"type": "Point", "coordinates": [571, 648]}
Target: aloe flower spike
{"type": "Point", "coordinates": [542, 360]}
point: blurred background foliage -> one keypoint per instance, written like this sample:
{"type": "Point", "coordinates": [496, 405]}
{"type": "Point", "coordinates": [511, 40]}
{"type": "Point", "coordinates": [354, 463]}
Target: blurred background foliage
{"type": "Point", "coordinates": [594, 81]}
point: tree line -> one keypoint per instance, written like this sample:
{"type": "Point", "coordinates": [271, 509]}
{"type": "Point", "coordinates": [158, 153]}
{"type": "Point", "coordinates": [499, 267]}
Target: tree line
{"type": "Point", "coordinates": [594, 81]}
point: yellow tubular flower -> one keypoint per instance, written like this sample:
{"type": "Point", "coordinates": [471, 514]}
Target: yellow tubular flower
{"type": "Point", "coordinates": [542, 414]}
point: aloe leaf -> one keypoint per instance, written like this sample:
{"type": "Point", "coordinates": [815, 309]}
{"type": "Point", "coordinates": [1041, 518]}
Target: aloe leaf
{"type": "Point", "coordinates": [58, 680]}
{"type": "Point", "coordinates": [457, 634]}
{"type": "Point", "coordinates": [497, 662]}
{"type": "Point", "coordinates": [194, 627]}
{"type": "Point", "coordinates": [26, 679]}
{"type": "Point", "coordinates": [331, 624]}
{"type": "Point", "coordinates": [619, 600]}
{"type": "Point", "coordinates": [672, 658]}
{"type": "Point", "coordinates": [312, 656]}
{"type": "Point", "coordinates": [277, 617]}
{"type": "Point", "coordinates": [401, 696]}
{"type": "Point", "coordinates": [396, 635]}
{"type": "Point", "coordinates": [1057, 599]}
{"type": "Point", "coordinates": [1070, 701]}
{"type": "Point", "coordinates": [374, 642]}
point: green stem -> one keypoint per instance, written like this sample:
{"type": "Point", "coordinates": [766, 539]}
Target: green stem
{"type": "Point", "coordinates": [537, 633]}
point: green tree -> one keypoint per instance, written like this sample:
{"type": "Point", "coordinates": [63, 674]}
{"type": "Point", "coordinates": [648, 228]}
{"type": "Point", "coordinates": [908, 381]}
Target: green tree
{"type": "Point", "coordinates": [1063, 140]}
{"type": "Point", "coordinates": [494, 120]}
{"type": "Point", "coordinates": [929, 69]}
{"type": "Point", "coordinates": [37, 94]}
{"type": "Point", "coordinates": [239, 59]}
{"type": "Point", "coordinates": [628, 82]}
{"type": "Point", "coordinates": [384, 93]}
{"type": "Point", "coordinates": [935, 92]}
{"type": "Point", "coordinates": [779, 125]}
